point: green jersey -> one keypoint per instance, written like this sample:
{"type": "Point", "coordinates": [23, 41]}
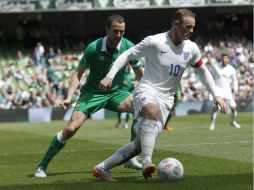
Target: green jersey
{"type": "Point", "coordinates": [99, 60]}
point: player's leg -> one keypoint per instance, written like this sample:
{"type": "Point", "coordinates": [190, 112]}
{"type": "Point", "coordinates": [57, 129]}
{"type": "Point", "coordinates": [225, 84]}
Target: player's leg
{"type": "Point", "coordinates": [233, 107]}
{"type": "Point", "coordinates": [150, 129]}
{"type": "Point", "coordinates": [123, 154]}
{"type": "Point", "coordinates": [127, 117]}
{"type": "Point", "coordinates": [124, 102]}
{"type": "Point", "coordinates": [154, 109]}
{"type": "Point", "coordinates": [167, 126]}
{"type": "Point", "coordinates": [177, 96]}
{"type": "Point", "coordinates": [118, 122]}
{"type": "Point", "coordinates": [214, 114]}
{"type": "Point", "coordinates": [59, 141]}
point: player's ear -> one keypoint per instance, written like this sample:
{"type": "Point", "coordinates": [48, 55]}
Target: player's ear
{"type": "Point", "coordinates": [177, 23]}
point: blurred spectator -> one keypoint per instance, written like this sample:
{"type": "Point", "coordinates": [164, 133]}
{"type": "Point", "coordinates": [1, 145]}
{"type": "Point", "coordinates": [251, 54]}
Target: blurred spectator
{"type": "Point", "coordinates": [39, 53]}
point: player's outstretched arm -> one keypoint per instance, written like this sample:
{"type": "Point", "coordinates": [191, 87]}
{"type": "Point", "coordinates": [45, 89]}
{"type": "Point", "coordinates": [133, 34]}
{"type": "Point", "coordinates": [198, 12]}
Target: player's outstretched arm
{"type": "Point", "coordinates": [73, 85]}
{"type": "Point", "coordinates": [119, 63]}
{"type": "Point", "coordinates": [209, 83]}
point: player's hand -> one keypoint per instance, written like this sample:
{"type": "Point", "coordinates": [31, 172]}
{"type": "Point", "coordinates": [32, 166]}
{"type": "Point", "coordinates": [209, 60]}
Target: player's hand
{"type": "Point", "coordinates": [220, 104]}
{"type": "Point", "coordinates": [65, 103]}
{"type": "Point", "coordinates": [105, 84]}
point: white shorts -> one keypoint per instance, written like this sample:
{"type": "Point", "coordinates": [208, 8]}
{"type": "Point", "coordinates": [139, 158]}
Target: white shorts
{"type": "Point", "coordinates": [230, 101]}
{"type": "Point", "coordinates": [145, 96]}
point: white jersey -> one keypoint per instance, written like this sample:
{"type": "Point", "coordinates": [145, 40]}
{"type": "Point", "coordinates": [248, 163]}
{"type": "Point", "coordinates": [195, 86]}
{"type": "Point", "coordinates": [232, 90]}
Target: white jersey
{"type": "Point", "coordinates": [225, 79]}
{"type": "Point", "coordinates": [165, 62]}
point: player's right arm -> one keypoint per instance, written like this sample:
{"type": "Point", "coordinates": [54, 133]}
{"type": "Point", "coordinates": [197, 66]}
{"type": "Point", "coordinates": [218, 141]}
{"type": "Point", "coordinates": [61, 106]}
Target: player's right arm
{"type": "Point", "coordinates": [73, 85]}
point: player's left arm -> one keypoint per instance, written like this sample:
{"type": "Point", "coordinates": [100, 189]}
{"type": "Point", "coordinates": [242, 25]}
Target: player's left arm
{"type": "Point", "coordinates": [207, 78]}
{"type": "Point", "coordinates": [209, 83]}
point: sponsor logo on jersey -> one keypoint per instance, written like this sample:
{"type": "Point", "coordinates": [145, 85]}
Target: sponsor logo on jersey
{"type": "Point", "coordinates": [162, 52]}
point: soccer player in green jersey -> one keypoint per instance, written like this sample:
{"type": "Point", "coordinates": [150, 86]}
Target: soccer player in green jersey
{"type": "Point", "coordinates": [98, 57]}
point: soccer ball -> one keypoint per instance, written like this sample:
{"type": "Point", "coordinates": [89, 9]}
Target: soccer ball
{"type": "Point", "coordinates": [170, 169]}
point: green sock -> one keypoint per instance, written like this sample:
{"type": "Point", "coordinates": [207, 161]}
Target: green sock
{"type": "Point", "coordinates": [54, 147]}
{"type": "Point", "coordinates": [169, 118]}
{"type": "Point", "coordinates": [127, 117]}
{"type": "Point", "coordinates": [119, 117]}
{"type": "Point", "coordinates": [133, 133]}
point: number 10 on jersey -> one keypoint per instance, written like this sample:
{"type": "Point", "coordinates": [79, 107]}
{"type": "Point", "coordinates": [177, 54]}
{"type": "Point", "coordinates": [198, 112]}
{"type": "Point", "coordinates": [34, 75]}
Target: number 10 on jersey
{"type": "Point", "coordinates": [174, 70]}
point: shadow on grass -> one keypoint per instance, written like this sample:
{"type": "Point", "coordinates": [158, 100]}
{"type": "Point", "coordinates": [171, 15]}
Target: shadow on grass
{"type": "Point", "coordinates": [217, 182]}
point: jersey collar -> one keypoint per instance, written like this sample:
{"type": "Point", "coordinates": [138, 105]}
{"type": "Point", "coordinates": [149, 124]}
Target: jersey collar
{"type": "Point", "coordinates": [104, 48]}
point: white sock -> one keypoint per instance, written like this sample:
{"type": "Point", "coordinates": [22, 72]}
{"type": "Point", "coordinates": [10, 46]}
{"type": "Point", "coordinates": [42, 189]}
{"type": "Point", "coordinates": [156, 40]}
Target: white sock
{"type": "Point", "coordinates": [60, 138]}
{"type": "Point", "coordinates": [213, 117]}
{"type": "Point", "coordinates": [233, 115]}
{"type": "Point", "coordinates": [120, 156]}
{"type": "Point", "coordinates": [149, 133]}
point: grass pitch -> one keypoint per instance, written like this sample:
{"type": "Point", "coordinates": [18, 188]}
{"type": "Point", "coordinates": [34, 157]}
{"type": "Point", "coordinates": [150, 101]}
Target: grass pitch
{"type": "Point", "coordinates": [213, 160]}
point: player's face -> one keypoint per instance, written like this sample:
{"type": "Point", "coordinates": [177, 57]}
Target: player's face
{"type": "Point", "coordinates": [115, 33]}
{"type": "Point", "coordinates": [185, 28]}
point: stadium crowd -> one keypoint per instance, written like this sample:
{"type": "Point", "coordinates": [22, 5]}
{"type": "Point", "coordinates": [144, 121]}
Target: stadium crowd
{"type": "Point", "coordinates": [41, 78]}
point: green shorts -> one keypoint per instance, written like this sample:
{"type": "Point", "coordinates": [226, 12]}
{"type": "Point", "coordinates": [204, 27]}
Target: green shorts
{"type": "Point", "coordinates": [90, 102]}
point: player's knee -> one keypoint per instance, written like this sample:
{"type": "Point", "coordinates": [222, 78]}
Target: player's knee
{"type": "Point", "coordinates": [70, 131]}
{"type": "Point", "coordinates": [149, 113]}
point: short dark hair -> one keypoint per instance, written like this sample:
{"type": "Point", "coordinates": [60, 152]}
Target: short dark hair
{"type": "Point", "coordinates": [114, 18]}
{"type": "Point", "coordinates": [225, 54]}
{"type": "Point", "coordinates": [180, 13]}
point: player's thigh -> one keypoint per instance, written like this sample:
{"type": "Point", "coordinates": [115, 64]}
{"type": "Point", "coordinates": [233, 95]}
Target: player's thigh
{"type": "Point", "coordinates": [121, 101]}
{"type": "Point", "coordinates": [77, 119]}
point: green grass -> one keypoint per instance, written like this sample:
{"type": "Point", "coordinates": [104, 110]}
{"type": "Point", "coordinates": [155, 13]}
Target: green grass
{"type": "Point", "coordinates": [213, 160]}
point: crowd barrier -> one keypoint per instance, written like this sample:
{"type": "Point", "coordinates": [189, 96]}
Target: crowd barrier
{"type": "Point", "coordinates": [48, 114]}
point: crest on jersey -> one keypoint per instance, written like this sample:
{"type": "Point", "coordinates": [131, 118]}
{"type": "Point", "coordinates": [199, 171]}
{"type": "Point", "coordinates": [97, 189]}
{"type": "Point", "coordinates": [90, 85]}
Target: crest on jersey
{"type": "Point", "coordinates": [143, 99]}
{"type": "Point", "coordinates": [186, 56]}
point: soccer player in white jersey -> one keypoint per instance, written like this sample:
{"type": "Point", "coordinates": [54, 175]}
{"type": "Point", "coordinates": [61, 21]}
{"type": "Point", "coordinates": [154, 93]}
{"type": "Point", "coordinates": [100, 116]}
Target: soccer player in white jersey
{"type": "Point", "coordinates": [225, 79]}
{"type": "Point", "coordinates": [167, 56]}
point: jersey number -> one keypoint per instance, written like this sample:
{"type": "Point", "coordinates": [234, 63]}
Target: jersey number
{"type": "Point", "coordinates": [174, 70]}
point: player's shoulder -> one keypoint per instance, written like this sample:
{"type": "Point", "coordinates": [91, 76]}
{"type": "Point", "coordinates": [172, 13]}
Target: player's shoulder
{"type": "Point", "coordinates": [190, 44]}
{"type": "Point", "coordinates": [157, 39]}
{"type": "Point", "coordinates": [159, 36]}
{"type": "Point", "coordinates": [94, 45]}
{"type": "Point", "coordinates": [127, 42]}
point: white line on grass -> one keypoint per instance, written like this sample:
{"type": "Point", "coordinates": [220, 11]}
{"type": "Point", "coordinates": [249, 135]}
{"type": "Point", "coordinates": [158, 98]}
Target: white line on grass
{"type": "Point", "coordinates": [111, 148]}
{"type": "Point", "coordinates": [202, 144]}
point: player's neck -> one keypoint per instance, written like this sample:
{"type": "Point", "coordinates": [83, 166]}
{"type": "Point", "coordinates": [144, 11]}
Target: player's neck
{"type": "Point", "coordinates": [172, 35]}
{"type": "Point", "coordinates": [110, 49]}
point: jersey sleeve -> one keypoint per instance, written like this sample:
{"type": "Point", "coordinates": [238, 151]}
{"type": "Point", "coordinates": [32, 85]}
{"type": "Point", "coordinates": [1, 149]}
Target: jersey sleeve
{"type": "Point", "coordinates": [87, 56]}
{"type": "Point", "coordinates": [134, 62]}
{"type": "Point", "coordinates": [196, 60]}
{"type": "Point", "coordinates": [142, 48]}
